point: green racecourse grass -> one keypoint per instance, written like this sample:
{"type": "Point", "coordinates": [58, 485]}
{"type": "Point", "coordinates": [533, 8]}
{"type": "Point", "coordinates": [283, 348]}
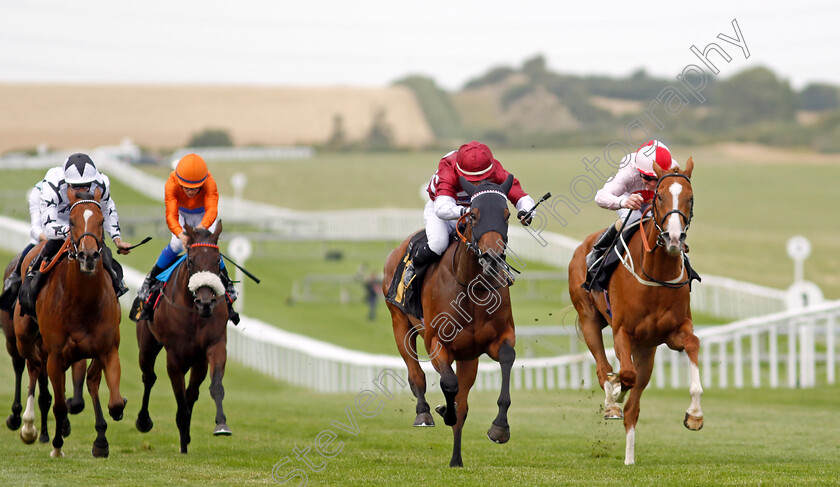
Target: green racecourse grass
{"type": "Point", "coordinates": [751, 437]}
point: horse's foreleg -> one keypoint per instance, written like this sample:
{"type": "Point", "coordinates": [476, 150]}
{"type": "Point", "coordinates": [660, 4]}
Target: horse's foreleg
{"type": "Point", "coordinates": [499, 431]}
{"type": "Point", "coordinates": [76, 404]}
{"type": "Point", "coordinates": [693, 415]}
{"type": "Point", "coordinates": [406, 337]}
{"type": "Point", "coordinates": [44, 403]}
{"type": "Point", "coordinates": [149, 350]}
{"type": "Point", "coordinates": [94, 377]}
{"type": "Point", "coordinates": [183, 413]}
{"type": "Point", "coordinates": [217, 357]}
{"type": "Point", "coordinates": [643, 358]}
{"type": "Point", "coordinates": [111, 366]}
{"type": "Point", "coordinates": [623, 346]}
{"type": "Point", "coordinates": [448, 384]}
{"type": "Point", "coordinates": [56, 369]}
{"type": "Point", "coordinates": [18, 364]}
{"type": "Point", "coordinates": [466, 372]}
{"type": "Point", "coordinates": [28, 433]}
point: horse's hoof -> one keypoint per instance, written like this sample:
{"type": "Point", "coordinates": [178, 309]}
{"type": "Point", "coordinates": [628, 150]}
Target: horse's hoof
{"type": "Point", "coordinates": [447, 419]}
{"type": "Point", "coordinates": [57, 453]}
{"type": "Point", "coordinates": [65, 428]}
{"type": "Point", "coordinates": [424, 420]}
{"type": "Point", "coordinates": [614, 412]}
{"type": "Point", "coordinates": [13, 422]}
{"type": "Point", "coordinates": [28, 435]}
{"type": "Point", "coordinates": [222, 430]}
{"type": "Point", "coordinates": [75, 407]}
{"type": "Point", "coordinates": [117, 412]}
{"type": "Point", "coordinates": [100, 451]}
{"type": "Point", "coordinates": [456, 462]}
{"type": "Point", "coordinates": [44, 438]}
{"type": "Point", "coordinates": [144, 425]}
{"type": "Point", "coordinates": [693, 422]}
{"type": "Point", "coordinates": [498, 434]}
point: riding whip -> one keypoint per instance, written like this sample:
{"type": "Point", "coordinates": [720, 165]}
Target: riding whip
{"type": "Point", "coordinates": [241, 268]}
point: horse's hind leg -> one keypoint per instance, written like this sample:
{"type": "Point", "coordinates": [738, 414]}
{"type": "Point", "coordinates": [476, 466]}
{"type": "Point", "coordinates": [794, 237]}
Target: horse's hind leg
{"type": "Point", "coordinates": [18, 364]}
{"type": "Point", "coordinates": [44, 403]}
{"type": "Point", "coordinates": [406, 337]}
{"type": "Point", "coordinates": [76, 404]}
{"type": "Point", "coordinates": [499, 431]}
{"type": "Point", "coordinates": [643, 359]}
{"type": "Point", "coordinates": [94, 377]}
{"type": "Point", "coordinates": [217, 357]}
{"type": "Point", "coordinates": [149, 350]}
{"type": "Point", "coordinates": [28, 432]}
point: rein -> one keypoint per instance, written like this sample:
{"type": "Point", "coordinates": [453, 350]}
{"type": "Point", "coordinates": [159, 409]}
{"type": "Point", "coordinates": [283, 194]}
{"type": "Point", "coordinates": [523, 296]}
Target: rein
{"type": "Point", "coordinates": [473, 247]}
{"type": "Point", "coordinates": [169, 300]}
{"type": "Point", "coordinates": [99, 242]}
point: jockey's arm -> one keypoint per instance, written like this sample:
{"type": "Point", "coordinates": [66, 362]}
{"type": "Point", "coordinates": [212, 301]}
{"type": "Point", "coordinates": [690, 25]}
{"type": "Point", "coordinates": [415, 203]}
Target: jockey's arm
{"type": "Point", "coordinates": [446, 208]}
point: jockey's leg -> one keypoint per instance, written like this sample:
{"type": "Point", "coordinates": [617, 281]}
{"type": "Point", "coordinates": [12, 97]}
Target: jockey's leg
{"type": "Point", "coordinates": [231, 293]}
{"type": "Point", "coordinates": [33, 280]}
{"type": "Point", "coordinates": [437, 233]}
{"type": "Point", "coordinates": [165, 259]}
{"type": "Point", "coordinates": [11, 285]}
{"type": "Point", "coordinates": [114, 270]}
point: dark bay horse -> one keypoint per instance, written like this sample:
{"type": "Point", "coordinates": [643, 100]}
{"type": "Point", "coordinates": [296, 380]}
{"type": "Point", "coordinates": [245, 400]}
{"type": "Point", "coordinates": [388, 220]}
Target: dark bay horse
{"type": "Point", "coordinates": [193, 329]}
{"type": "Point", "coordinates": [78, 317]}
{"type": "Point", "coordinates": [649, 301]}
{"type": "Point", "coordinates": [37, 374]}
{"type": "Point", "coordinates": [466, 308]}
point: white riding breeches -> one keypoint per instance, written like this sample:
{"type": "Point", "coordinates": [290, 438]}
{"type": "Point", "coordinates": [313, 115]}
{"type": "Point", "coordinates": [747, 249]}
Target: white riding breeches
{"type": "Point", "coordinates": [193, 220]}
{"type": "Point", "coordinates": [437, 230]}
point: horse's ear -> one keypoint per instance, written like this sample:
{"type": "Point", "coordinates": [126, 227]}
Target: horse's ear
{"type": "Point", "coordinates": [689, 166]}
{"type": "Point", "coordinates": [97, 195]}
{"type": "Point", "coordinates": [658, 171]}
{"type": "Point", "coordinates": [190, 231]}
{"type": "Point", "coordinates": [507, 184]}
{"type": "Point", "coordinates": [218, 230]}
{"type": "Point", "coordinates": [466, 185]}
{"type": "Point", "coordinates": [71, 196]}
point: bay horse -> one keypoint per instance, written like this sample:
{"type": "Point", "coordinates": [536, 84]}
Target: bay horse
{"type": "Point", "coordinates": [193, 330]}
{"type": "Point", "coordinates": [78, 317]}
{"type": "Point", "coordinates": [648, 304]}
{"type": "Point", "coordinates": [38, 374]}
{"type": "Point", "coordinates": [467, 312]}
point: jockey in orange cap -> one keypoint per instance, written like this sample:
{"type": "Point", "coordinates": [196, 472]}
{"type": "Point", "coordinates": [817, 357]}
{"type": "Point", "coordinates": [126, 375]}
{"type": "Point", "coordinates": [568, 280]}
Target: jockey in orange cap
{"type": "Point", "coordinates": [448, 201]}
{"type": "Point", "coordinates": [191, 198]}
{"type": "Point", "coordinates": [631, 190]}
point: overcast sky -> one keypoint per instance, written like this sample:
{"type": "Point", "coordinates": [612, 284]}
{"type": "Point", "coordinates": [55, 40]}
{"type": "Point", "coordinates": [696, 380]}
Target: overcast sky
{"type": "Point", "coordinates": [374, 42]}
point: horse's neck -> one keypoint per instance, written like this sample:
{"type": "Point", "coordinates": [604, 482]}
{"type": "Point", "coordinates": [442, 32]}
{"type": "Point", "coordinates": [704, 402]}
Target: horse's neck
{"type": "Point", "coordinates": [78, 285]}
{"type": "Point", "coordinates": [466, 264]}
{"type": "Point", "coordinates": [657, 263]}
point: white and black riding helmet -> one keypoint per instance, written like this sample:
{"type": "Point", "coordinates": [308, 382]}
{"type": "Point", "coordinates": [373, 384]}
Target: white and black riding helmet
{"type": "Point", "coordinates": [79, 170]}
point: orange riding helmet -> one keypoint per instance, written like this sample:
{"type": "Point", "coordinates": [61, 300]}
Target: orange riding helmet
{"type": "Point", "coordinates": [191, 171]}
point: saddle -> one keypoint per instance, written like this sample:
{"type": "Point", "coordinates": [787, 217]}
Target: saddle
{"type": "Point", "coordinates": [31, 286]}
{"type": "Point", "coordinates": [407, 299]}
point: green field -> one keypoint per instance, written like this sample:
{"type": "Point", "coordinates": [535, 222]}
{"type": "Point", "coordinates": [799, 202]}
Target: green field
{"type": "Point", "coordinates": [751, 437]}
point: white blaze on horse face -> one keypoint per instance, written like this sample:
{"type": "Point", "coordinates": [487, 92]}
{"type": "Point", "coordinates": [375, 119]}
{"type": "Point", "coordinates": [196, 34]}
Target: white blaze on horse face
{"type": "Point", "coordinates": [674, 226]}
{"type": "Point", "coordinates": [630, 447]}
{"type": "Point", "coordinates": [696, 390]}
{"type": "Point", "coordinates": [86, 215]}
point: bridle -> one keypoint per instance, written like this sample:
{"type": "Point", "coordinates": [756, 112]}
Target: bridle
{"type": "Point", "coordinates": [660, 222]}
{"type": "Point", "coordinates": [189, 266]}
{"type": "Point", "coordinates": [71, 254]}
{"type": "Point", "coordinates": [484, 258]}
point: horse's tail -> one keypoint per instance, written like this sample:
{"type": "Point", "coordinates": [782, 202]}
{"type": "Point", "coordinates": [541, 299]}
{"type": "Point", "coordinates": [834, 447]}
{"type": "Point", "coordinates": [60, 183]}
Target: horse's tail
{"type": "Point", "coordinates": [564, 312]}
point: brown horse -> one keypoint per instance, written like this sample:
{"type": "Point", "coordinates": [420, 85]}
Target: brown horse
{"type": "Point", "coordinates": [466, 308]}
{"type": "Point", "coordinates": [38, 374]}
{"type": "Point", "coordinates": [192, 329]}
{"type": "Point", "coordinates": [649, 302]}
{"type": "Point", "coordinates": [78, 317]}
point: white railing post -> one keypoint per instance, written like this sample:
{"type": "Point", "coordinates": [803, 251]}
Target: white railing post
{"type": "Point", "coordinates": [829, 352]}
{"type": "Point", "coordinates": [739, 361]}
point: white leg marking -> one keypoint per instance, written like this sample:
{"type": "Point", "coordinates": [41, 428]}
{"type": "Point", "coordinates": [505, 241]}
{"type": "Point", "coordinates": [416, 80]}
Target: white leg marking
{"type": "Point", "coordinates": [696, 390]}
{"type": "Point", "coordinates": [630, 448]}
{"type": "Point", "coordinates": [28, 432]}
{"type": "Point", "coordinates": [57, 453]}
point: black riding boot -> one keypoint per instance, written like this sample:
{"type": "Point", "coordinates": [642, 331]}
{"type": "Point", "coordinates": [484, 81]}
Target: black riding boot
{"type": "Point", "coordinates": [30, 286]}
{"type": "Point", "coordinates": [146, 289]}
{"type": "Point", "coordinates": [596, 254]}
{"type": "Point", "coordinates": [11, 285]}
{"type": "Point", "coordinates": [422, 258]}
{"type": "Point", "coordinates": [231, 295]}
{"type": "Point", "coordinates": [115, 270]}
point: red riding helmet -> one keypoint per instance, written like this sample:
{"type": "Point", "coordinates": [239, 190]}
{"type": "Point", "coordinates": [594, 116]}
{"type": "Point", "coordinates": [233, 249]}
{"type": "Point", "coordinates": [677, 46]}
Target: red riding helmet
{"type": "Point", "coordinates": [650, 152]}
{"type": "Point", "coordinates": [474, 161]}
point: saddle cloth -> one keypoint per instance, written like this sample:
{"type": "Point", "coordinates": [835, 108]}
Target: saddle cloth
{"type": "Point", "coordinates": [408, 299]}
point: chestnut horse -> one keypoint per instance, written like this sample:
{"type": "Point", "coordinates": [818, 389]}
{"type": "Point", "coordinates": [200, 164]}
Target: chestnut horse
{"type": "Point", "coordinates": [649, 302]}
{"type": "Point", "coordinates": [78, 317]}
{"type": "Point", "coordinates": [466, 308]}
{"type": "Point", "coordinates": [193, 330]}
{"type": "Point", "coordinates": [37, 374]}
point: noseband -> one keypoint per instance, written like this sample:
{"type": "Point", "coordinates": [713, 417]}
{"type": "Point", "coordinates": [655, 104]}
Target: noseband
{"type": "Point", "coordinates": [660, 222]}
{"type": "Point", "coordinates": [99, 241]}
{"type": "Point", "coordinates": [472, 244]}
